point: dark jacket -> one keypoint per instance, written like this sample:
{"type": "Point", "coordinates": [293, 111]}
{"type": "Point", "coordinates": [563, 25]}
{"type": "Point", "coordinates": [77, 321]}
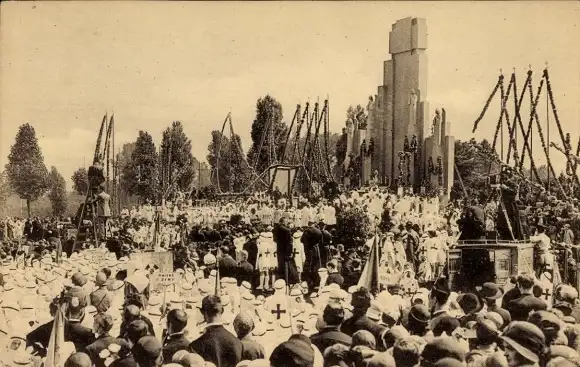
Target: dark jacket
{"type": "Point", "coordinates": [328, 337]}
{"type": "Point", "coordinates": [79, 335]}
{"type": "Point", "coordinates": [284, 247]}
{"type": "Point", "coordinates": [251, 350]}
{"type": "Point", "coordinates": [173, 344]}
{"type": "Point", "coordinates": [252, 248]}
{"type": "Point", "coordinates": [227, 267]}
{"type": "Point", "coordinates": [128, 361]}
{"type": "Point", "coordinates": [99, 345]}
{"type": "Point", "coordinates": [124, 325]}
{"type": "Point", "coordinates": [218, 346]}
{"type": "Point", "coordinates": [521, 307]}
{"type": "Point", "coordinates": [356, 323]}
{"type": "Point", "coordinates": [245, 272]}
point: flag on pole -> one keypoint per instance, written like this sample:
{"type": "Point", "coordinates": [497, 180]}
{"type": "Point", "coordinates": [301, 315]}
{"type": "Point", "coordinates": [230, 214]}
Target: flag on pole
{"type": "Point", "coordinates": [218, 288]}
{"type": "Point", "coordinates": [54, 357]}
{"type": "Point", "coordinates": [370, 274]}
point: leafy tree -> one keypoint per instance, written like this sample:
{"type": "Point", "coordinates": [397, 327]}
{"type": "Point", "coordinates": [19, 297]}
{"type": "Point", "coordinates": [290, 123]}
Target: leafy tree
{"type": "Point", "coordinates": [204, 175]}
{"type": "Point", "coordinates": [218, 159]}
{"type": "Point", "coordinates": [268, 124]}
{"type": "Point", "coordinates": [353, 226]}
{"type": "Point", "coordinates": [177, 164]}
{"type": "Point", "coordinates": [140, 173]}
{"type": "Point", "coordinates": [5, 189]}
{"type": "Point", "coordinates": [26, 170]}
{"type": "Point", "coordinates": [233, 172]}
{"type": "Point", "coordinates": [57, 192]}
{"type": "Point", "coordinates": [80, 181]}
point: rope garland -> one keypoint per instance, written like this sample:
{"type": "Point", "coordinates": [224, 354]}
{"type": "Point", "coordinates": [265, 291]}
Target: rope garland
{"type": "Point", "coordinates": [517, 118]}
{"type": "Point", "coordinates": [487, 103]}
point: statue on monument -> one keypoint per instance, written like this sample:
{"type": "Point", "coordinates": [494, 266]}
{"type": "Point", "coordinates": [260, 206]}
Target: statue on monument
{"type": "Point", "coordinates": [436, 126]}
{"type": "Point", "coordinates": [371, 105]}
{"type": "Point", "coordinates": [413, 98]}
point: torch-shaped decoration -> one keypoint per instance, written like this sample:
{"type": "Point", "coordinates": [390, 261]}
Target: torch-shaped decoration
{"type": "Point", "coordinates": [440, 171]}
{"type": "Point", "coordinates": [401, 160]}
{"type": "Point", "coordinates": [406, 145]}
{"type": "Point", "coordinates": [430, 166]}
{"type": "Point", "coordinates": [414, 144]}
{"type": "Point", "coordinates": [408, 159]}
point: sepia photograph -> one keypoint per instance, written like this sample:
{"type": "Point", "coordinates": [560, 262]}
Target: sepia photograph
{"type": "Point", "coordinates": [289, 183]}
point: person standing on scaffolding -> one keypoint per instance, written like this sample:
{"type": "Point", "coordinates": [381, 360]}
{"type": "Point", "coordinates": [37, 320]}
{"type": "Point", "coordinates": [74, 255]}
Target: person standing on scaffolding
{"type": "Point", "coordinates": [96, 178]}
{"type": "Point", "coordinates": [509, 222]}
{"type": "Point", "coordinates": [102, 201]}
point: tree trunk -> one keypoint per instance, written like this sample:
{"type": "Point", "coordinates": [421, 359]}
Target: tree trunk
{"type": "Point", "coordinates": [29, 211]}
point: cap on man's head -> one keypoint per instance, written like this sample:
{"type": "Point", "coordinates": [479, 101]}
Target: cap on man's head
{"type": "Point", "coordinates": [100, 279]}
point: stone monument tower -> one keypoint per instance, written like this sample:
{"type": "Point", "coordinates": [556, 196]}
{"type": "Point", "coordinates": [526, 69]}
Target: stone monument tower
{"type": "Point", "coordinates": [398, 116]}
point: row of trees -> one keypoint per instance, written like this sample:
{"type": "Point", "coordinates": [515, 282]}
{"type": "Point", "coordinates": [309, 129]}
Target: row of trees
{"type": "Point", "coordinates": [27, 175]}
{"type": "Point", "coordinates": [150, 173]}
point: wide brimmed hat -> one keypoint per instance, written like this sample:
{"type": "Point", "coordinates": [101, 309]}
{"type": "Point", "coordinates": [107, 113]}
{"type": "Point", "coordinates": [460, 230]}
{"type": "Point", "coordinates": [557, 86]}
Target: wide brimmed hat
{"type": "Point", "coordinates": [526, 339]}
{"type": "Point", "coordinates": [489, 291]}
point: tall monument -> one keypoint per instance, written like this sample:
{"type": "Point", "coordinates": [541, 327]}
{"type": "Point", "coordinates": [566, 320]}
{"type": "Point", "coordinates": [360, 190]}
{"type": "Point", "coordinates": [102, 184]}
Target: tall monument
{"type": "Point", "coordinates": [399, 139]}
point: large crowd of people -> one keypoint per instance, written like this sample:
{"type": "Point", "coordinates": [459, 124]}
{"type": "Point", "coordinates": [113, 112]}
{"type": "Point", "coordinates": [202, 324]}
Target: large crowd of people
{"type": "Point", "coordinates": [260, 282]}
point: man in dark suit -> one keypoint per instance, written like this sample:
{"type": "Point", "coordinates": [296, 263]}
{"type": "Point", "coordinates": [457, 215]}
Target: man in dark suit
{"type": "Point", "coordinates": [216, 344]}
{"type": "Point", "coordinates": [133, 313]}
{"type": "Point", "coordinates": [243, 326]}
{"type": "Point", "coordinates": [175, 340]}
{"type": "Point", "coordinates": [521, 307]}
{"type": "Point", "coordinates": [102, 325]}
{"type": "Point", "coordinates": [74, 331]}
{"type": "Point", "coordinates": [330, 334]}
{"type": "Point", "coordinates": [227, 264]}
{"type": "Point", "coordinates": [284, 249]}
{"type": "Point", "coordinates": [361, 302]}
{"type": "Point", "coordinates": [245, 272]}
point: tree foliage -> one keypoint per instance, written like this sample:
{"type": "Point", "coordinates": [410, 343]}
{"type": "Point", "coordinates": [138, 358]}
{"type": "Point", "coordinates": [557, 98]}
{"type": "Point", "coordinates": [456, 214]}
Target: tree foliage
{"type": "Point", "coordinates": [57, 192]}
{"type": "Point", "coordinates": [5, 189]}
{"type": "Point", "coordinates": [226, 160]}
{"type": "Point", "coordinates": [475, 162]}
{"type": "Point", "coordinates": [80, 181]}
{"type": "Point", "coordinates": [140, 173]}
{"type": "Point", "coordinates": [177, 164]}
{"type": "Point", "coordinates": [352, 225]}
{"type": "Point", "coordinates": [268, 134]}
{"type": "Point", "coordinates": [27, 173]}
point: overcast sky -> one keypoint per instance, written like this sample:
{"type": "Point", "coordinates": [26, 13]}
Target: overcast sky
{"type": "Point", "coordinates": [64, 64]}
